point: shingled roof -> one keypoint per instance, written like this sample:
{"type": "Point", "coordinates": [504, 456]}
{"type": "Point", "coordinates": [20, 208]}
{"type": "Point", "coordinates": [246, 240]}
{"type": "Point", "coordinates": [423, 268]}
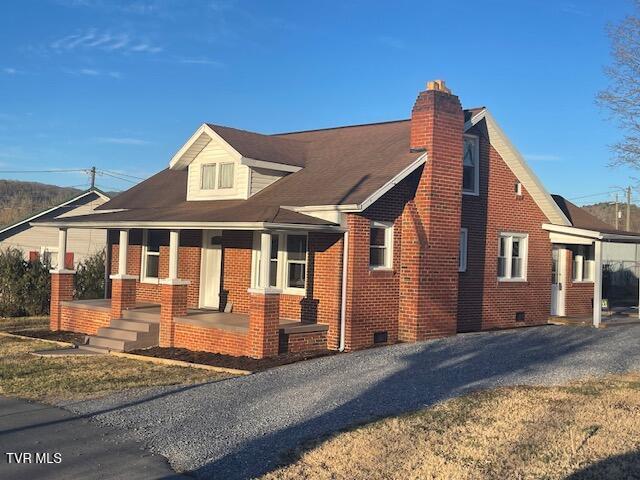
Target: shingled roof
{"type": "Point", "coordinates": [580, 218]}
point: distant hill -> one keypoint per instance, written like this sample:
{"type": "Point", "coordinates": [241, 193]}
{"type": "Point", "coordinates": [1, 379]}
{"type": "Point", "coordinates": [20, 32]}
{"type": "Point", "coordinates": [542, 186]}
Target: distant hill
{"type": "Point", "coordinates": [19, 200]}
{"type": "Point", "coordinates": [606, 213]}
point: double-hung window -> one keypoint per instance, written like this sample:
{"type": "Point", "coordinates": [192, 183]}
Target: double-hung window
{"type": "Point", "coordinates": [583, 263]}
{"type": "Point", "coordinates": [49, 256]}
{"type": "Point", "coordinates": [470, 165]}
{"type": "Point", "coordinates": [512, 256]}
{"type": "Point", "coordinates": [381, 245]}
{"type": "Point", "coordinates": [216, 176]}
{"type": "Point", "coordinates": [287, 263]}
{"type": "Point", "coordinates": [152, 239]}
{"type": "Point", "coordinates": [296, 261]}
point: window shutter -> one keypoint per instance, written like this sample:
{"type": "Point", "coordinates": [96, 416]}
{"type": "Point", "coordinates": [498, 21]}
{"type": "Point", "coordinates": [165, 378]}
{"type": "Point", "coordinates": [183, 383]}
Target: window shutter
{"type": "Point", "coordinates": [68, 261]}
{"type": "Point", "coordinates": [34, 256]}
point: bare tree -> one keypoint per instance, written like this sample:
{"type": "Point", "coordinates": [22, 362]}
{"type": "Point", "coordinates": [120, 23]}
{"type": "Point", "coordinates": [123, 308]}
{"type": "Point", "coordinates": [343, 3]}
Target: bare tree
{"type": "Point", "coordinates": [622, 97]}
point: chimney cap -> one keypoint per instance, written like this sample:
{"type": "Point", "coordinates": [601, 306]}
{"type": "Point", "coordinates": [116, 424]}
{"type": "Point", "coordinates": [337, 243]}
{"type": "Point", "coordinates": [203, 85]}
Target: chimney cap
{"type": "Point", "coordinates": [438, 85]}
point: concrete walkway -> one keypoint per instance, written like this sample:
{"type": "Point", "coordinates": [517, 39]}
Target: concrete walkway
{"type": "Point", "coordinates": [87, 450]}
{"type": "Point", "coordinates": [238, 428]}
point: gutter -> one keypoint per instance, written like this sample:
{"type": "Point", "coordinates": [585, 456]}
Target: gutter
{"type": "Point", "coordinates": [343, 295]}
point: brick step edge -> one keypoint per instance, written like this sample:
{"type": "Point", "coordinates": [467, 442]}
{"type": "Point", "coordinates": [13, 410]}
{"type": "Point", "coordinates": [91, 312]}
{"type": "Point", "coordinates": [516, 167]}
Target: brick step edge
{"type": "Point", "coordinates": [180, 363]}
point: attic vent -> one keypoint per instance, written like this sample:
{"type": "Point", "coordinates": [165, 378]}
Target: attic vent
{"type": "Point", "coordinates": [518, 189]}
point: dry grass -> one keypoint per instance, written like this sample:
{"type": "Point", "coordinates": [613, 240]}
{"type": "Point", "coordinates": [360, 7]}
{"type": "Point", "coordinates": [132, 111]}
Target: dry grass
{"type": "Point", "coordinates": [78, 377]}
{"type": "Point", "coordinates": [514, 433]}
{"type": "Point", "coordinates": [24, 323]}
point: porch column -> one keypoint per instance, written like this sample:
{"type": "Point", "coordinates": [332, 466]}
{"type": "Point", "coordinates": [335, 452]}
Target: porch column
{"type": "Point", "coordinates": [62, 284]}
{"type": "Point", "coordinates": [123, 286]}
{"type": "Point", "coordinates": [173, 294]}
{"type": "Point", "coordinates": [264, 307]}
{"type": "Point", "coordinates": [597, 285]}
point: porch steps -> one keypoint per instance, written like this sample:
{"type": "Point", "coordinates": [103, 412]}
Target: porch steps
{"type": "Point", "coordinates": [150, 315]}
{"type": "Point", "coordinates": [123, 335]}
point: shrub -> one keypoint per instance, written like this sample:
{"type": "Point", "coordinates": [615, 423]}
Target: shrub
{"type": "Point", "coordinates": [25, 287]}
{"type": "Point", "coordinates": [90, 277]}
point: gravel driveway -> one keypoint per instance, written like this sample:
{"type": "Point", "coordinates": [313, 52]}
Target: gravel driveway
{"type": "Point", "coordinates": [237, 428]}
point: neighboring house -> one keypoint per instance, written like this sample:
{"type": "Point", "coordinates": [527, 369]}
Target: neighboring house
{"type": "Point", "coordinates": [339, 238]}
{"type": "Point", "coordinates": [37, 241]}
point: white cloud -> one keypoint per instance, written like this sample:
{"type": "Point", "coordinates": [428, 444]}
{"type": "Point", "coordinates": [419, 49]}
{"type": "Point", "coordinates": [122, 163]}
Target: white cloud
{"type": "Point", "coordinates": [392, 42]}
{"type": "Point", "coordinates": [11, 71]}
{"type": "Point", "coordinates": [542, 157]}
{"type": "Point", "coordinates": [201, 61]}
{"type": "Point", "coordinates": [91, 72]}
{"type": "Point", "coordinates": [104, 41]}
{"type": "Point", "coordinates": [122, 141]}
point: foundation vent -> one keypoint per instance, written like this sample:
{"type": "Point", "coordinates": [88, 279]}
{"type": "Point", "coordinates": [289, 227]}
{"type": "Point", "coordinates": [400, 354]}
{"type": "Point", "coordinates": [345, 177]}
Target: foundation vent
{"type": "Point", "coordinates": [380, 337]}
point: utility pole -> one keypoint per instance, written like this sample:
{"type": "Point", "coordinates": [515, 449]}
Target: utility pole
{"type": "Point", "coordinates": [617, 213]}
{"type": "Point", "coordinates": [93, 177]}
{"type": "Point", "coordinates": [628, 209]}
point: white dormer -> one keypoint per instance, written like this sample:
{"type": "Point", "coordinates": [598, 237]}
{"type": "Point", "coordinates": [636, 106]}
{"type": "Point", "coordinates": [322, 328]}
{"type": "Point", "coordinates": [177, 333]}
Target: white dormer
{"type": "Point", "coordinates": [217, 171]}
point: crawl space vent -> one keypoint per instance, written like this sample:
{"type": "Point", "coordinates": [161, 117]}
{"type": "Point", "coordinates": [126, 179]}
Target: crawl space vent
{"type": "Point", "coordinates": [380, 337]}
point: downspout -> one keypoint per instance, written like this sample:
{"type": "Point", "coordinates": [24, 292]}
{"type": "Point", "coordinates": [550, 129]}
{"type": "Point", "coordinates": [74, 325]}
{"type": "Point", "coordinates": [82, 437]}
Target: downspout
{"type": "Point", "coordinates": [343, 296]}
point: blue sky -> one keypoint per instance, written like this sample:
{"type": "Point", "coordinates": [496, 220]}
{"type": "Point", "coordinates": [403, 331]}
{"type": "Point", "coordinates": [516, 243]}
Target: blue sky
{"type": "Point", "coordinates": [122, 85]}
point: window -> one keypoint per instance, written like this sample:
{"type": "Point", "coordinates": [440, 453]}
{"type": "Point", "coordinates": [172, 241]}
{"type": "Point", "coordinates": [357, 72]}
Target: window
{"type": "Point", "coordinates": [49, 256]}
{"type": "Point", "coordinates": [470, 171]}
{"type": "Point", "coordinates": [296, 261]}
{"type": "Point", "coordinates": [584, 264]}
{"type": "Point", "coordinates": [288, 262]}
{"type": "Point", "coordinates": [208, 176]}
{"type": "Point", "coordinates": [462, 258]}
{"type": "Point", "coordinates": [512, 256]}
{"type": "Point", "coordinates": [380, 245]}
{"type": "Point", "coordinates": [152, 239]}
{"type": "Point", "coordinates": [226, 175]}
{"type": "Point", "coordinates": [273, 264]}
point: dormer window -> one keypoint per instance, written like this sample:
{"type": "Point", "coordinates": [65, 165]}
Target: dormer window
{"type": "Point", "coordinates": [226, 175]}
{"type": "Point", "coordinates": [470, 169]}
{"type": "Point", "coordinates": [208, 176]}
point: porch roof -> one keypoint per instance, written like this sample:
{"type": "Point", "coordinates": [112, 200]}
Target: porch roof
{"type": "Point", "coordinates": [237, 214]}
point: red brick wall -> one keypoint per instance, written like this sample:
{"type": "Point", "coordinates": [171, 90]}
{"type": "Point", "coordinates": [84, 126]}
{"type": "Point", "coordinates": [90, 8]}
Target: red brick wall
{"type": "Point", "coordinates": [210, 340]}
{"type": "Point", "coordinates": [62, 288]}
{"type": "Point", "coordinates": [579, 296]}
{"type": "Point", "coordinates": [431, 221]}
{"type": "Point", "coordinates": [83, 320]}
{"type": "Point", "coordinates": [484, 303]}
{"type": "Point", "coordinates": [236, 268]}
{"type": "Point", "coordinates": [373, 295]}
{"type": "Point", "coordinates": [173, 303]}
{"type": "Point", "coordinates": [303, 342]}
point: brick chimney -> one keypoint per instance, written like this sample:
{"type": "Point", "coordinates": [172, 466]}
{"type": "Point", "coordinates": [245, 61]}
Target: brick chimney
{"type": "Point", "coordinates": [431, 220]}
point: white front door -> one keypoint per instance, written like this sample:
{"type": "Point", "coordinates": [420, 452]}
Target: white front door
{"type": "Point", "coordinates": [558, 269]}
{"type": "Point", "coordinates": [210, 268]}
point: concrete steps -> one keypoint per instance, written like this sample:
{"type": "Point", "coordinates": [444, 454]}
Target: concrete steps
{"type": "Point", "coordinates": [123, 335]}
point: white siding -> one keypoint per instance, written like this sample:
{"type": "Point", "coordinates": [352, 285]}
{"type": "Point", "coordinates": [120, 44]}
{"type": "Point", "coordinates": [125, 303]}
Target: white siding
{"type": "Point", "coordinates": [262, 178]}
{"type": "Point", "coordinates": [214, 153]}
{"type": "Point", "coordinates": [82, 242]}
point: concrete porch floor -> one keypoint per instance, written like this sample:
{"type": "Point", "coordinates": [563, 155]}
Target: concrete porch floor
{"type": "Point", "coordinates": [610, 318]}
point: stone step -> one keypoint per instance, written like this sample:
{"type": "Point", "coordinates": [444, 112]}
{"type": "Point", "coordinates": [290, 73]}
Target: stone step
{"type": "Point", "coordinates": [135, 325]}
{"type": "Point", "coordinates": [119, 334]}
{"type": "Point", "coordinates": [105, 342]}
{"type": "Point", "coordinates": [92, 348]}
{"type": "Point", "coordinates": [141, 314]}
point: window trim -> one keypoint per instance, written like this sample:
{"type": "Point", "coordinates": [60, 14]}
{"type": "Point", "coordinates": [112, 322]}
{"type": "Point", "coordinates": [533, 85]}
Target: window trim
{"type": "Point", "coordinates": [44, 250]}
{"type": "Point", "coordinates": [215, 179]}
{"type": "Point", "coordinates": [476, 150]}
{"type": "Point", "coordinates": [388, 245]}
{"type": "Point", "coordinates": [462, 265]}
{"type": "Point", "coordinates": [143, 260]}
{"type": "Point", "coordinates": [524, 237]}
{"type": "Point", "coordinates": [282, 263]}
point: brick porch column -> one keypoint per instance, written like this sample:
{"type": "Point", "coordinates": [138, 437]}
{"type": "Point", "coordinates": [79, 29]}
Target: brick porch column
{"type": "Point", "coordinates": [123, 286]}
{"type": "Point", "coordinates": [62, 283]}
{"type": "Point", "coordinates": [61, 291]}
{"type": "Point", "coordinates": [264, 319]}
{"type": "Point", "coordinates": [173, 294]}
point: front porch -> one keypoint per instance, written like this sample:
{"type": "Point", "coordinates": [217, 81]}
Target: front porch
{"type": "Point", "coordinates": [209, 290]}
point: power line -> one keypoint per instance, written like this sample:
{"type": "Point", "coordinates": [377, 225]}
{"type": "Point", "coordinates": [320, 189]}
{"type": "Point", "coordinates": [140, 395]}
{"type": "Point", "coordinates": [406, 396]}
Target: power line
{"type": "Point", "coordinates": [102, 172]}
{"type": "Point", "coordinates": [610, 192]}
{"type": "Point", "coordinates": [122, 174]}
{"type": "Point", "coordinates": [57, 170]}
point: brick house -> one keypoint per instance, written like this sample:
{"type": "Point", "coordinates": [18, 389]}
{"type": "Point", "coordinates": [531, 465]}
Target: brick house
{"type": "Point", "coordinates": [341, 238]}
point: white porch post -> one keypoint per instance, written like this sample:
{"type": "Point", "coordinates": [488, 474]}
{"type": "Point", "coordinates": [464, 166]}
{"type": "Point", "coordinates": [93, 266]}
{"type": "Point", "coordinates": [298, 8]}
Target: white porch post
{"type": "Point", "coordinates": [265, 259]}
{"type": "Point", "coordinates": [174, 243]}
{"type": "Point", "coordinates": [122, 252]}
{"type": "Point", "coordinates": [62, 248]}
{"type": "Point", "coordinates": [597, 285]}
